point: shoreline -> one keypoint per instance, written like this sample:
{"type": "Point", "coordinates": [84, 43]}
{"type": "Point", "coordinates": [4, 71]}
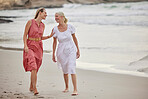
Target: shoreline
{"type": "Point", "coordinates": [104, 68]}
{"type": "Point", "coordinates": [18, 49]}
{"type": "Point", "coordinates": [91, 84]}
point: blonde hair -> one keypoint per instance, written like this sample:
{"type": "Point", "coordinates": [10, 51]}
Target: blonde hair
{"type": "Point", "coordinates": [62, 14]}
{"type": "Point", "coordinates": [37, 12]}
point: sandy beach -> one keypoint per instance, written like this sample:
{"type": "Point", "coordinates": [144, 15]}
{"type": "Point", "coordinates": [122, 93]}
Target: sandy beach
{"type": "Point", "coordinates": [14, 81]}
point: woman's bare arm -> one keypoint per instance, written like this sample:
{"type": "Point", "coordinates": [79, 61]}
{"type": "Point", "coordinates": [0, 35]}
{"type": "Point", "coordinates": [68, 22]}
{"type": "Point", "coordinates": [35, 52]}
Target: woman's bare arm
{"type": "Point", "coordinates": [54, 48]}
{"type": "Point", "coordinates": [76, 43]}
{"type": "Point", "coordinates": [27, 27]}
{"type": "Point", "coordinates": [47, 37]}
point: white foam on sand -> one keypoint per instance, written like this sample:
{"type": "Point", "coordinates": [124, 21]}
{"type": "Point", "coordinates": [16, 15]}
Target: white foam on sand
{"type": "Point", "coordinates": [108, 68]}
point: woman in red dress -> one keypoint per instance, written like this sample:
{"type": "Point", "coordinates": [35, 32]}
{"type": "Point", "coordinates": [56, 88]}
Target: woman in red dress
{"type": "Point", "coordinates": [33, 47]}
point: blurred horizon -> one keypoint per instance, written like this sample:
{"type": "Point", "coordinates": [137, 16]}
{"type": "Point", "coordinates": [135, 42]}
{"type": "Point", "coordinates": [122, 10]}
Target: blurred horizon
{"type": "Point", "coordinates": [25, 4]}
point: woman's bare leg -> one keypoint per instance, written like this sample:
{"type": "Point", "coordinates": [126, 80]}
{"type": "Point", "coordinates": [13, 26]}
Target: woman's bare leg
{"type": "Point", "coordinates": [31, 86]}
{"type": "Point", "coordinates": [73, 76]}
{"type": "Point", "coordinates": [34, 80]}
{"type": "Point", "coordinates": [66, 82]}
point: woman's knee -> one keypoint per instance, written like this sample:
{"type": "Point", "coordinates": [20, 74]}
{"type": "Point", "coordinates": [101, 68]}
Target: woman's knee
{"type": "Point", "coordinates": [34, 71]}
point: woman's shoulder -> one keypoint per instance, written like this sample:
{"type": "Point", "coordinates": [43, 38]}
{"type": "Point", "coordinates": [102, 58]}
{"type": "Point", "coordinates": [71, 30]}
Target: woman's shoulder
{"type": "Point", "coordinates": [55, 31]}
{"type": "Point", "coordinates": [29, 22]}
{"type": "Point", "coordinates": [55, 28]}
{"type": "Point", "coordinates": [70, 26]}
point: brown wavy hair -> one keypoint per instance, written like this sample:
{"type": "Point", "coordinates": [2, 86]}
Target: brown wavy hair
{"type": "Point", "coordinates": [37, 12]}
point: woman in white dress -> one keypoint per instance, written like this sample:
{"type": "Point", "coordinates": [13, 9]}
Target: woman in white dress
{"type": "Point", "coordinates": [67, 51]}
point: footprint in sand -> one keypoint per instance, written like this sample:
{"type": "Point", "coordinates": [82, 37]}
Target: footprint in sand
{"type": "Point", "coordinates": [19, 83]}
{"type": "Point", "coordinates": [53, 85]}
{"type": "Point", "coordinates": [51, 98]}
{"type": "Point", "coordinates": [40, 97]}
{"type": "Point", "coordinates": [19, 97]}
{"type": "Point", "coordinates": [1, 96]}
{"type": "Point", "coordinates": [4, 92]}
{"type": "Point", "coordinates": [16, 94]}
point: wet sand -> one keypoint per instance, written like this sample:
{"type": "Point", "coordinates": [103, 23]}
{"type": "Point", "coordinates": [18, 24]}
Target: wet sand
{"type": "Point", "coordinates": [14, 81]}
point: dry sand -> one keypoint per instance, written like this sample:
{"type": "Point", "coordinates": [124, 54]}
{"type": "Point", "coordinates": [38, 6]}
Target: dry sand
{"type": "Point", "coordinates": [14, 82]}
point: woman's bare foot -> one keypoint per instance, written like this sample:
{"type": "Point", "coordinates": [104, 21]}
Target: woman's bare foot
{"type": "Point", "coordinates": [36, 92]}
{"type": "Point", "coordinates": [66, 90]}
{"type": "Point", "coordinates": [75, 93]}
{"type": "Point", "coordinates": [31, 89]}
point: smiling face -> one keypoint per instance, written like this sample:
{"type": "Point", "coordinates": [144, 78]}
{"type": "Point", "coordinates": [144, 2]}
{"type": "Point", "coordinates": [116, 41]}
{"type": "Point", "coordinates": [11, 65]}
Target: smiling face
{"type": "Point", "coordinates": [43, 14]}
{"type": "Point", "coordinates": [58, 18]}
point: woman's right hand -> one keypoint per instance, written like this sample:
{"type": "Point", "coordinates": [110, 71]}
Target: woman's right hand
{"type": "Point", "coordinates": [26, 49]}
{"type": "Point", "coordinates": [53, 58]}
{"type": "Point", "coordinates": [52, 33]}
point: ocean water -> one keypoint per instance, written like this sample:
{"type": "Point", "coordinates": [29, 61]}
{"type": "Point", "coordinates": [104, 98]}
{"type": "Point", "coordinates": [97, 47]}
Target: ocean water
{"type": "Point", "coordinates": [111, 36]}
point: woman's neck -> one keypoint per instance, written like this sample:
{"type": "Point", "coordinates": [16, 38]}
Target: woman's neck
{"type": "Point", "coordinates": [38, 20]}
{"type": "Point", "coordinates": [62, 24]}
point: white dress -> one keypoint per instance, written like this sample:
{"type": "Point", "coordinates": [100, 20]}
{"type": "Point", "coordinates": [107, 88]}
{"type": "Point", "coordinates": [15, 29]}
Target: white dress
{"type": "Point", "coordinates": [66, 51]}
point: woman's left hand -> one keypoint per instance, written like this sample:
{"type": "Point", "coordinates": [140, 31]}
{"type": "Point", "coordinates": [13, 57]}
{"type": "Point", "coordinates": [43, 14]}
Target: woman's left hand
{"type": "Point", "coordinates": [78, 54]}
